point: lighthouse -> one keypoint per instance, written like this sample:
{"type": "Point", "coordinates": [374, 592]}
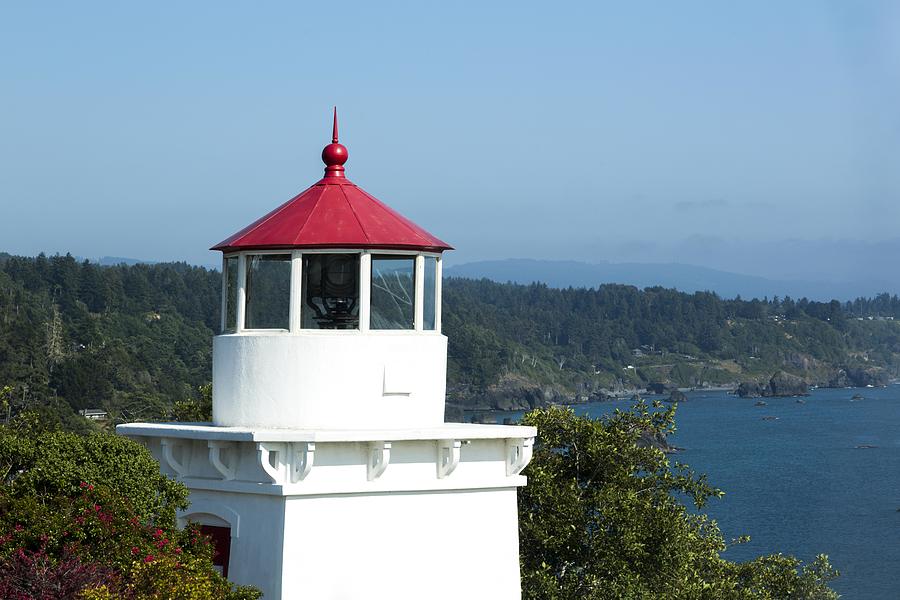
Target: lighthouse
{"type": "Point", "coordinates": [328, 471]}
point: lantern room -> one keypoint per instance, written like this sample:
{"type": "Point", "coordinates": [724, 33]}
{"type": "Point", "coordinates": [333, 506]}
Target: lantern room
{"type": "Point", "coordinates": [331, 314]}
{"type": "Point", "coordinates": [293, 291]}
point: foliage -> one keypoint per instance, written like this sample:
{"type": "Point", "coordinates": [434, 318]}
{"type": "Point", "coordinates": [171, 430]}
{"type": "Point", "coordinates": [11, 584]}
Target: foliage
{"type": "Point", "coordinates": [93, 514]}
{"type": "Point", "coordinates": [136, 340]}
{"type": "Point", "coordinates": [195, 410]}
{"type": "Point", "coordinates": [601, 518]}
{"type": "Point", "coordinates": [128, 339]}
{"type": "Point", "coordinates": [54, 464]}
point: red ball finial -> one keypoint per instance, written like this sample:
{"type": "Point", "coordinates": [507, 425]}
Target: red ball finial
{"type": "Point", "coordinates": [334, 155]}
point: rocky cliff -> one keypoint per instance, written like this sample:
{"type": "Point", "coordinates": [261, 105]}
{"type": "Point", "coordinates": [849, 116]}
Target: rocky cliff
{"type": "Point", "coordinates": [859, 377]}
{"type": "Point", "coordinates": [780, 385]}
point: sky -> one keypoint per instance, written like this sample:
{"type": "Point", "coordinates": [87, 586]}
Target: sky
{"type": "Point", "coordinates": [720, 134]}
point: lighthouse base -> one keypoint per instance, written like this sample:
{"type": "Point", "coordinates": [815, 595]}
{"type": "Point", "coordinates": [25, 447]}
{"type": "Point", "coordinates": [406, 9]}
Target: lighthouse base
{"type": "Point", "coordinates": [342, 514]}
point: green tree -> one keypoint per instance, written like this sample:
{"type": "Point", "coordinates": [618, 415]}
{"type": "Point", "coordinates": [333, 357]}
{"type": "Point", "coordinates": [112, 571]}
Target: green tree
{"type": "Point", "coordinates": [601, 518]}
{"type": "Point", "coordinates": [195, 410]}
{"type": "Point", "coordinates": [5, 403]}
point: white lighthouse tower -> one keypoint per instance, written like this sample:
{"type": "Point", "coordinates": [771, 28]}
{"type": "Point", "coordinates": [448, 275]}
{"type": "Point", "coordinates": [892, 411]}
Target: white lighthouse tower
{"type": "Point", "coordinates": [328, 471]}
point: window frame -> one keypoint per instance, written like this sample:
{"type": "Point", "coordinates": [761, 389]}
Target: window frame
{"type": "Point", "coordinates": [436, 290]}
{"type": "Point", "coordinates": [243, 321]}
{"type": "Point", "coordinates": [417, 284]}
{"type": "Point", "coordinates": [224, 328]}
{"type": "Point", "coordinates": [365, 288]}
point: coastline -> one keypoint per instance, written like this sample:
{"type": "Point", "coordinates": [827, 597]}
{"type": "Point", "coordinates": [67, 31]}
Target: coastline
{"type": "Point", "coordinates": [473, 413]}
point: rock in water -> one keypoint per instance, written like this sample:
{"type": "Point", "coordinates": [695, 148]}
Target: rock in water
{"type": "Point", "coordinates": [784, 384]}
{"type": "Point", "coordinates": [660, 387]}
{"type": "Point", "coordinates": [600, 396]}
{"type": "Point", "coordinates": [859, 377]}
{"type": "Point", "coordinates": [750, 389]}
{"type": "Point", "coordinates": [677, 396]}
{"type": "Point", "coordinates": [514, 392]}
{"type": "Point", "coordinates": [648, 439]}
{"type": "Point", "coordinates": [484, 418]}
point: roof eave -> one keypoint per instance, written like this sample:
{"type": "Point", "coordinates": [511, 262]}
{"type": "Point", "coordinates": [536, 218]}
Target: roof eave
{"type": "Point", "coordinates": [227, 248]}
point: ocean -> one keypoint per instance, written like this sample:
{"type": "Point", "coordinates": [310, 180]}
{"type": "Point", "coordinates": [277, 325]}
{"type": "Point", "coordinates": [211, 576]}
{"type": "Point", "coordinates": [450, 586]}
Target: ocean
{"type": "Point", "coordinates": [824, 477]}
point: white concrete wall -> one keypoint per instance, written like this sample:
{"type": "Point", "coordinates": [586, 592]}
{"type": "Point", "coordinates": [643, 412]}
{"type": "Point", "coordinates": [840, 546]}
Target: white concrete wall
{"type": "Point", "coordinates": [324, 379]}
{"type": "Point", "coordinates": [436, 545]}
{"type": "Point", "coordinates": [344, 528]}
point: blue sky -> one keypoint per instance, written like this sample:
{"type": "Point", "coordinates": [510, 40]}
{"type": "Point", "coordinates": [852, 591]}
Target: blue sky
{"type": "Point", "coordinates": [589, 131]}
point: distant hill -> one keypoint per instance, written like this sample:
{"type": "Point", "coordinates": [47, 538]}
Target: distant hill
{"type": "Point", "coordinates": [112, 261]}
{"type": "Point", "coordinates": [686, 278]}
{"type": "Point", "coordinates": [104, 261]}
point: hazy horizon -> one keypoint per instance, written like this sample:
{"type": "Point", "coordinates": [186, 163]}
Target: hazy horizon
{"type": "Point", "coordinates": [759, 139]}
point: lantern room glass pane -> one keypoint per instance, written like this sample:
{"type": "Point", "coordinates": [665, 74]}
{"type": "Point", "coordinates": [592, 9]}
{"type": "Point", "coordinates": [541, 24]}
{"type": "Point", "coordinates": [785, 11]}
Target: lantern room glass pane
{"type": "Point", "coordinates": [428, 303]}
{"type": "Point", "coordinates": [231, 277]}
{"type": "Point", "coordinates": [330, 291]}
{"type": "Point", "coordinates": [393, 292]}
{"type": "Point", "coordinates": [268, 291]}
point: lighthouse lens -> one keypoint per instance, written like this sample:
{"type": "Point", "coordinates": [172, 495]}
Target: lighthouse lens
{"type": "Point", "coordinates": [340, 275]}
{"type": "Point", "coordinates": [330, 291]}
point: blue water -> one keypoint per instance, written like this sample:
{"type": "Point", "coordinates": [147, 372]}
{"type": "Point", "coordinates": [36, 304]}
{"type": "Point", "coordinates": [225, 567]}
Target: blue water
{"type": "Point", "coordinates": [798, 484]}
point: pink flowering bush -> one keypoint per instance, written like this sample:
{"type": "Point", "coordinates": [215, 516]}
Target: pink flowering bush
{"type": "Point", "coordinates": [37, 574]}
{"type": "Point", "coordinates": [63, 535]}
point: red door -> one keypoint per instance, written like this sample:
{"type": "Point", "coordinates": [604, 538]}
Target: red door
{"type": "Point", "coordinates": [221, 540]}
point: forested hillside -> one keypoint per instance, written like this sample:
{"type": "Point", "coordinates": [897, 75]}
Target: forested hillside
{"type": "Point", "coordinates": [513, 342]}
{"type": "Point", "coordinates": [131, 339]}
{"type": "Point", "coordinates": [135, 339]}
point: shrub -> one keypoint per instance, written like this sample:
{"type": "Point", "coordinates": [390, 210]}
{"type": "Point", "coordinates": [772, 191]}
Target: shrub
{"type": "Point", "coordinates": [92, 517]}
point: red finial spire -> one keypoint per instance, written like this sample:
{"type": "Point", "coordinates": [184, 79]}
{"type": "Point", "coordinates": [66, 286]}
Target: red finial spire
{"type": "Point", "coordinates": [334, 155]}
{"type": "Point", "coordinates": [334, 136]}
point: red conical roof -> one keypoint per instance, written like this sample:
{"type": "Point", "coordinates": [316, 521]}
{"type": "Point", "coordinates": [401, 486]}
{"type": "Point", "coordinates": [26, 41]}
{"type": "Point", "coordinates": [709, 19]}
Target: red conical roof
{"type": "Point", "coordinates": [333, 213]}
